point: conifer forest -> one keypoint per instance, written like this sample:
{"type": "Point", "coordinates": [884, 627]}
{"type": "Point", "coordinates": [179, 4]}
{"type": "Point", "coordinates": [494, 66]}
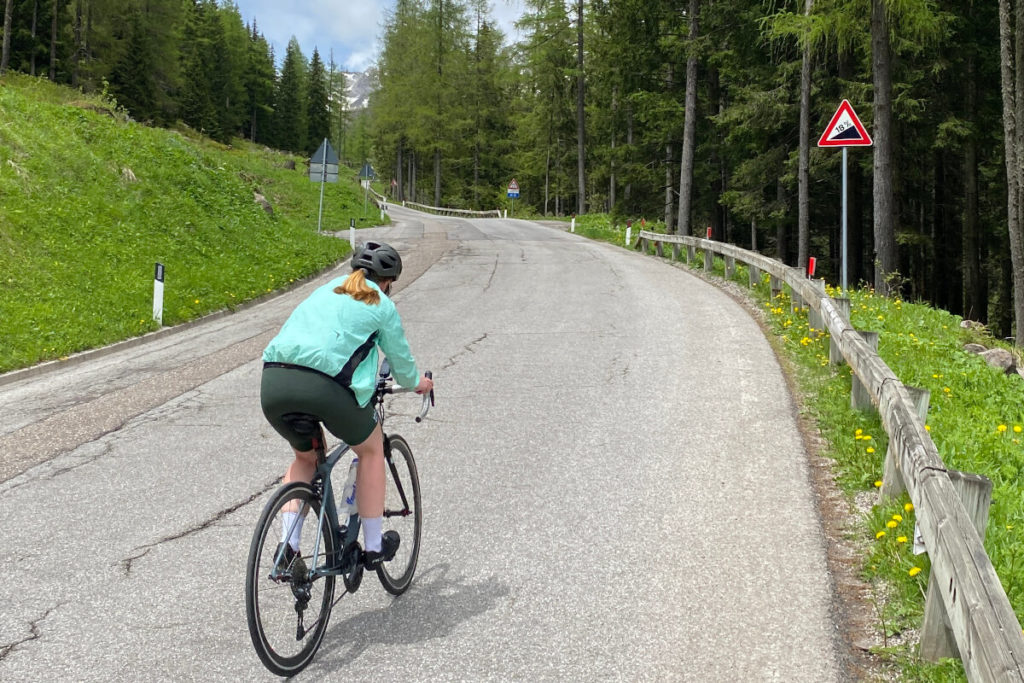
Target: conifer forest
{"type": "Point", "coordinates": [688, 114]}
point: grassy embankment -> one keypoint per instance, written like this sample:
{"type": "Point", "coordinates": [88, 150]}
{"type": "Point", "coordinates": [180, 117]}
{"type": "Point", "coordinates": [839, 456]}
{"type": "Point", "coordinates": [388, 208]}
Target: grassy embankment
{"type": "Point", "coordinates": [90, 201]}
{"type": "Point", "coordinates": [976, 419]}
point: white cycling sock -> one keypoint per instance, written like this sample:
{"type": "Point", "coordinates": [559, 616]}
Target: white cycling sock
{"type": "Point", "coordinates": [371, 533]}
{"type": "Point", "coordinates": [287, 519]}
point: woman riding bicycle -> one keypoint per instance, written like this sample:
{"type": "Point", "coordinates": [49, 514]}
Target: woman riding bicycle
{"type": "Point", "coordinates": [323, 362]}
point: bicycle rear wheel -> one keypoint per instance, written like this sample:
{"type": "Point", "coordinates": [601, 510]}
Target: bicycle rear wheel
{"type": "Point", "coordinates": [401, 513]}
{"type": "Point", "coordinates": [288, 607]}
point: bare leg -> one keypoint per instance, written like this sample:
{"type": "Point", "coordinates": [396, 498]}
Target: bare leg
{"type": "Point", "coordinates": [370, 475]}
{"type": "Point", "coordinates": [301, 469]}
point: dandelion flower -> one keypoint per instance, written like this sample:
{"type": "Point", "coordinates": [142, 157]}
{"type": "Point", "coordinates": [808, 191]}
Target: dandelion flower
{"type": "Point", "coordinates": [892, 524]}
{"type": "Point", "coordinates": [878, 484]}
{"type": "Point", "coordinates": [196, 301]}
{"type": "Point", "coordinates": [1001, 428]}
{"type": "Point", "coordinates": [914, 571]}
{"type": "Point", "coordinates": [880, 534]}
{"type": "Point", "coordinates": [870, 449]}
{"type": "Point", "coordinates": [859, 432]}
{"type": "Point", "coordinates": [898, 518]}
{"type": "Point", "coordinates": [901, 539]}
{"type": "Point", "coordinates": [907, 507]}
{"type": "Point", "coordinates": [867, 437]}
{"type": "Point", "coordinates": [1016, 429]}
{"type": "Point", "coordinates": [927, 428]}
{"type": "Point", "coordinates": [946, 390]}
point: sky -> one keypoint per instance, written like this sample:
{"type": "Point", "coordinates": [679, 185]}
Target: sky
{"type": "Point", "coordinates": [351, 28]}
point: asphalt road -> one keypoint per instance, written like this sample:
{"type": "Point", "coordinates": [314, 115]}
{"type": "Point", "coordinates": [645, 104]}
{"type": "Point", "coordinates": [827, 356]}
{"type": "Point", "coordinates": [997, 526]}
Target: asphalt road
{"type": "Point", "coordinates": [614, 486]}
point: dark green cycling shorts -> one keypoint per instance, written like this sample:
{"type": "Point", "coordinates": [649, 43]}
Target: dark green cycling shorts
{"type": "Point", "coordinates": [295, 390]}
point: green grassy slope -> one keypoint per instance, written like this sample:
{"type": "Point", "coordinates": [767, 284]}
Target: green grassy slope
{"type": "Point", "coordinates": [90, 201]}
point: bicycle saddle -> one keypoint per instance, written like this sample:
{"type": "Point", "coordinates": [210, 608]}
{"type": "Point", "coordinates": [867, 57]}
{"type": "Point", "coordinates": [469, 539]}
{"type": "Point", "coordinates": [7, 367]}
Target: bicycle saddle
{"type": "Point", "coordinates": [304, 424]}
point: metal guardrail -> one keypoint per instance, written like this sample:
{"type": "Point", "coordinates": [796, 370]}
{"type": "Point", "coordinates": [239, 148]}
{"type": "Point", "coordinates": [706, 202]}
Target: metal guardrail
{"type": "Point", "coordinates": [987, 633]}
{"type": "Point", "coordinates": [445, 211]}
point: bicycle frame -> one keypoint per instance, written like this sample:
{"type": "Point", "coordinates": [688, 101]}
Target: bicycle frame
{"type": "Point", "coordinates": [328, 508]}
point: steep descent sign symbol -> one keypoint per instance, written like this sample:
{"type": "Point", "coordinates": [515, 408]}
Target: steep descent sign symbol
{"type": "Point", "coordinates": [845, 129]}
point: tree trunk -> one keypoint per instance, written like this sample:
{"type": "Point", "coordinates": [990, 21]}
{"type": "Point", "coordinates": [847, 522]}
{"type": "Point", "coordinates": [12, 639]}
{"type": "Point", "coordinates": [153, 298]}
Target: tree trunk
{"type": "Point", "coordinates": [437, 177]}
{"type": "Point", "coordinates": [974, 293]}
{"type": "Point", "coordinates": [611, 170]}
{"type": "Point", "coordinates": [5, 57]}
{"type": "Point", "coordinates": [53, 42]}
{"type": "Point", "coordinates": [803, 173]}
{"type": "Point", "coordinates": [35, 21]}
{"type": "Point", "coordinates": [884, 204]}
{"type": "Point", "coordinates": [689, 125]}
{"type": "Point", "coordinates": [1013, 172]}
{"type": "Point", "coordinates": [399, 168]}
{"type": "Point", "coordinates": [581, 196]}
{"type": "Point", "coordinates": [629, 146]}
{"type": "Point", "coordinates": [670, 227]}
{"type": "Point", "coordinates": [781, 242]}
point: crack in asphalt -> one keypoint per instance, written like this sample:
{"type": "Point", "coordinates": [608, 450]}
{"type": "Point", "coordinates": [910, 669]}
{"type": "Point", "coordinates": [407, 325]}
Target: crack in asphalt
{"type": "Point", "coordinates": [494, 269]}
{"type": "Point", "coordinates": [34, 634]}
{"type": "Point", "coordinates": [468, 348]}
{"type": "Point", "coordinates": [143, 550]}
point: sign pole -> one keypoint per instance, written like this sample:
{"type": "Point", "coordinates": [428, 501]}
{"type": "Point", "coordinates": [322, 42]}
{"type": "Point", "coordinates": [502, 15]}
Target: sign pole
{"type": "Point", "coordinates": [844, 130]}
{"type": "Point", "coordinates": [845, 293]}
{"type": "Point", "coordinates": [323, 181]}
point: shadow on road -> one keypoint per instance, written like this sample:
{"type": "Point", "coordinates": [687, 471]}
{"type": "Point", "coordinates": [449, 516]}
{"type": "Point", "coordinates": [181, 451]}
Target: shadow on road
{"type": "Point", "coordinates": [435, 605]}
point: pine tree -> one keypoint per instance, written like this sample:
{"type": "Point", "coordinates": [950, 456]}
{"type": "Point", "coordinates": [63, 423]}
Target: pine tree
{"type": "Point", "coordinates": [289, 111]}
{"type": "Point", "coordinates": [318, 115]}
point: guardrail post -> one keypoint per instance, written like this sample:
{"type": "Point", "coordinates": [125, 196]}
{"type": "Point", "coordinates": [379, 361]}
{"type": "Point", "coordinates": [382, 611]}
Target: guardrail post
{"type": "Point", "coordinates": [641, 244]}
{"type": "Point", "coordinates": [730, 266]}
{"type": "Point", "coordinates": [776, 286]}
{"type": "Point", "coordinates": [658, 250]}
{"type": "Point", "coordinates": [691, 254]}
{"type": "Point", "coordinates": [796, 302]}
{"type": "Point", "coordinates": [860, 399]}
{"type": "Point", "coordinates": [814, 319]}
{"type": "Point", "coordinates": [892, 479]}
{"type": "Point", "coordinates": [937, 639]}
{"type": "Point", "coordinates": [709, 260]}
{"type": "Point", "coordinates": [753, 275]}
{"type": "Point", "coordinates": [835, 355]}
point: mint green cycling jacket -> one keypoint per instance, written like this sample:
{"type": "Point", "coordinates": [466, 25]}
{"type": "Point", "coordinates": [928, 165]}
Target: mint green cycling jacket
{"type": "Point", "coordinates": [325, 330]}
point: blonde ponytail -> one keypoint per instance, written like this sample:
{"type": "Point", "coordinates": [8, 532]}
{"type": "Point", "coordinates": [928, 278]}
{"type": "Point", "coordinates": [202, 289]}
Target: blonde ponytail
{"type": "Point", "coordinates": [356, 287]}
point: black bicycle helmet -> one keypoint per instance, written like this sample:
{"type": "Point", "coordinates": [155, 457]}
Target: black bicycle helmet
{"type": "Point", "coordinates": [378, 259]}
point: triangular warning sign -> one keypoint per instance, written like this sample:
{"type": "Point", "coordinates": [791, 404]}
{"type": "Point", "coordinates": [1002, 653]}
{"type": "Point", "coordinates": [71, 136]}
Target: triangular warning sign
{"type": "Point", "coordinates": [845, 129]}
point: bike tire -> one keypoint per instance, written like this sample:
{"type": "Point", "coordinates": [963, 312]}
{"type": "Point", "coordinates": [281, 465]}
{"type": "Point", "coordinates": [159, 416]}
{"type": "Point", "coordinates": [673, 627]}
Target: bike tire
{"type": "Point", "coordinates": [402, 477]}
{"type": "Point", "coordinates": [271, 603]}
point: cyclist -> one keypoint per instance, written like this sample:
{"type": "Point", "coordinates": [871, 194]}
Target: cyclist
{"type": "Point", "coordinates": [324, 362]}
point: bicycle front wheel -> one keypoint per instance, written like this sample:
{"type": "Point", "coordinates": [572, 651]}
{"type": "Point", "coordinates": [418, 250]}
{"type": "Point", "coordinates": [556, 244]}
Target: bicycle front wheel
{"type": "Point", "coordinates": [287, 602]}
{"type": "Point", "coordinates": [401, 513]}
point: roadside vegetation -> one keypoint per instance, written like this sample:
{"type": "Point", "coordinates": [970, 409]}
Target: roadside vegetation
{"type": "Point", "coordinates": [91, 201]}
{"type": "Point", "coordinates": [975, 418]}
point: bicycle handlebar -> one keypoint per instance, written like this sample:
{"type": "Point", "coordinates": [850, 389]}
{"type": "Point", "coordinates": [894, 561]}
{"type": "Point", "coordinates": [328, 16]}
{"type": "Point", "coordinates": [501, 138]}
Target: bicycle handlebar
{"type": "Point", "coordinates": [428, 398]}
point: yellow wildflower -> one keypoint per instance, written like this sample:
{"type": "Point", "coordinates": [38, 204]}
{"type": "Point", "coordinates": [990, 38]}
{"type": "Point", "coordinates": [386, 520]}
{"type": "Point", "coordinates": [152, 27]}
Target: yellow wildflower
{"type": "Point", "coordinates": [1001, 428]}
{"type": "Point", "coordinates": [1016, 429]}
{"type": "Point", "coordinates": [870, 449]}
{"type": "Point", "coordinates": [898, 518]}
{"type": "Point", "coordinates": [878, 484]}
{"type": "Point", "coordinates": [891, 524]}
{"type": "Point", "coordinates": [880, 534]}
{"type": "Point", "coordinates": [901, 539]}
{"type": "Point", "coordinates": [914, 571]}
{"type": "Point", "coordinates": [907, 507]}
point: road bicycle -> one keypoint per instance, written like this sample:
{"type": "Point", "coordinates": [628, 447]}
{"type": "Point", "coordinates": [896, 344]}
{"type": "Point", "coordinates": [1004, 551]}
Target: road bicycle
{"type": "Point", "coordinates": [289, 596]}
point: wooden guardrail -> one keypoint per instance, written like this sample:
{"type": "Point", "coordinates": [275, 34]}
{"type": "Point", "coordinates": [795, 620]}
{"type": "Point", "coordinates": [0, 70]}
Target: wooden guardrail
{"type": "Point", "coordinates": [971, 610]}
